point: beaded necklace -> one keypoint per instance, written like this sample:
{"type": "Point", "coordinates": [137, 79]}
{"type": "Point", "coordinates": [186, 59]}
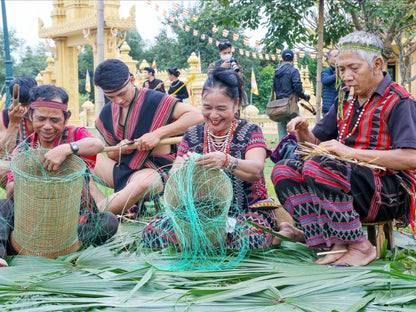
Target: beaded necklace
{"type": "Point", "coordinates": [211, 139]}
{"type": "Point", "coordinates": [347, 120]}
{"type": "Point", "coordinates": [175, 83]}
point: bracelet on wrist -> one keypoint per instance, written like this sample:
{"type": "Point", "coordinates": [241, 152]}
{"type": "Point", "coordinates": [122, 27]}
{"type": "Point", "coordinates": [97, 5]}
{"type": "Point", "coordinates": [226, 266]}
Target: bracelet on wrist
{"type": "Point", "coordinates": [226, 161]}
{"type": "Point", "coordinates": [234, 164]}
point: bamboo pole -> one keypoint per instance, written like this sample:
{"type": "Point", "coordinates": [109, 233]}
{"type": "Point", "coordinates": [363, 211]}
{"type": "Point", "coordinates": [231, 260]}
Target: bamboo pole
{"type": "Point", "coordinates": [133, 145]}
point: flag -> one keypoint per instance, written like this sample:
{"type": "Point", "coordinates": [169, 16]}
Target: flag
{"type": "Point", "coordinates": [214, 28]}
{"type": "Point", "coordinates": [154, 64]}
{"type": "Point", "coordinates": [195, 32]}
{"type": "Point", "coordinates": [194, 18]}
{"type": "Point", "coordinates": [235, 37]}
{"type": "Point", "coordinates": [254, 88]}
{"type": "Point", "coordinates": [199, 61]}
{"type": "Point", "coordinates": [225, 32]}
{"type": "Point", "coordinates": [187, 28]}
{"type": "Point", "coordinates": [246, 41]}
{"type": "Point", "coordinates": [87, 82]}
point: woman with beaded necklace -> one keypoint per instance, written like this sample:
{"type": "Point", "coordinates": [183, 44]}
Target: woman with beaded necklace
{"type": "Point", "coordinates": [238, 147]}
{"type": "Point", "coordinates": [176, 84]}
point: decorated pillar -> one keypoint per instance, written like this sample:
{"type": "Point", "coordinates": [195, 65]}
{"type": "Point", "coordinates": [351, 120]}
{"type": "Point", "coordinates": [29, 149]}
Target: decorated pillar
{"type": "Point", "coordinates": [74, 24]}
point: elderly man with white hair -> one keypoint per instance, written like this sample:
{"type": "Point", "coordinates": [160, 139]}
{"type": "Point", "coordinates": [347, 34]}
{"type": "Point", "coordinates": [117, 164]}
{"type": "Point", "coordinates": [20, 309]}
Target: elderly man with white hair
{"type": "Point", "coordinates": [375, 121]}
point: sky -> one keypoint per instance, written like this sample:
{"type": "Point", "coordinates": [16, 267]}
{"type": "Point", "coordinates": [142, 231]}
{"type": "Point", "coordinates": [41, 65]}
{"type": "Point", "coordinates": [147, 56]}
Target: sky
{"type": "Point", "coordinates": [23, 17]}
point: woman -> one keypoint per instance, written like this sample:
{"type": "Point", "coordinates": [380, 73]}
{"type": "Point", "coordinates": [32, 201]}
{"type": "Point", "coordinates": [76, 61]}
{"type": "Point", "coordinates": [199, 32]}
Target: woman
{"type": "Point", "coordinates": [238, 147]}
{"type": "Point", "coordinates": [176, 84]}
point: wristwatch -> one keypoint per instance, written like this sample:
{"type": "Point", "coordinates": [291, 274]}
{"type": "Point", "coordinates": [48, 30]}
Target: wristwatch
{"type": "Point", "coordinates": [74, 147]}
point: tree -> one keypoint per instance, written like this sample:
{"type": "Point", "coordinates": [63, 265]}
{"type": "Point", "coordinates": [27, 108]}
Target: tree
{"type": "Point", "coordinates": [136, 44]}
{"type": "Point", "coordinates": [32, 62]}
{"type": "Point", "coordinates": [395, 22]}
{"type": "Point", "coordinates": [288, 22]}
{"type": "Point", "coordinates": [265, 85]}
{"type": "Point", "coordinates": [86, 61]}
{"type": "Point", "coordinates": [166, 51]}
{"type": "Point", "coordinates": [187, 43]}
{"type": "Point", "coordinates": [15, 46]}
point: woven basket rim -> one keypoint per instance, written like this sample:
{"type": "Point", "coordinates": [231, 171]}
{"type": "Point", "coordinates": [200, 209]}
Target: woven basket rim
{"type": "Point", "coordinates": [45, 179]}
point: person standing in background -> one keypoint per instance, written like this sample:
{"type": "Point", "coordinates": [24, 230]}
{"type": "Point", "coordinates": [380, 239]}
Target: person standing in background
{"type": "Point", "coordinates": [176, 84]}
{"type": "Point", "coordinates": [152, 82]}
{"type": "Point", "coordinates": [286, 81]}
{"type": "Point", "coordinates": [328, 77]}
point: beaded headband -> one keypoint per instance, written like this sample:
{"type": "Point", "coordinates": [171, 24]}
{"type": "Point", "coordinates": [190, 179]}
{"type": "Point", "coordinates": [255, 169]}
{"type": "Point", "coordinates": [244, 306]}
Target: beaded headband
{"type": "Point", "coordinates": [360, 46]}
{"type": "Point", "coordinates": [118, 88]}
{"type": "Point", "coordinates": [49, 104]}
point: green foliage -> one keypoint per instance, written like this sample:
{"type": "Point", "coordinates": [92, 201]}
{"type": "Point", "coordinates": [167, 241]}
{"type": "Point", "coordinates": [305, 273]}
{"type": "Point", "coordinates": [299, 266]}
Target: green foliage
{"type": "Point", "coordinates": [288, 22]}
{"type": "Point", "coordinates": [15, 46]}
{"type": "Point", "coordinates": [86, 61]}
{"type": "Point", "coordinates": [265, 84]}
{"type": "Point", "coordinates": [136, 44]}
{"type": "Point", "coordinates": [167, 53]}
{"type": "Point", "coordinates": [112, 277]}
{"type": "Point", "coordinates": [32, 62]}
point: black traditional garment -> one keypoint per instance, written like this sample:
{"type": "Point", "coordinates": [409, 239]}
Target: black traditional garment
{"type": "Point", "coordinates": [250, 199]}
{"type": "Point", "coordinates": [154, 83]}
{"type": "Point", "coordinates": [182, 93]}
{"type": "Point", "coordinates": [148, 111]}
{"type": "Point", "coordinates": [329, 197]}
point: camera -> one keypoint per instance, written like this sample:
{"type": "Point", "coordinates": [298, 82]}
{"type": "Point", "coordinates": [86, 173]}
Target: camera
{"type": "Point", "coordinates": [234, 66]}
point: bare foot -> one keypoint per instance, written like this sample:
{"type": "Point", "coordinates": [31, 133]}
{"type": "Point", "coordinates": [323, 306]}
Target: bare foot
{"type": "Point", "coordinates": [288, 230]}
{"type": "Point", "coordinates": [330, 258]}
{"type": "Point", "coordinates": [358, 254]}
{"type": "Point", "coordinates": [3, 263]}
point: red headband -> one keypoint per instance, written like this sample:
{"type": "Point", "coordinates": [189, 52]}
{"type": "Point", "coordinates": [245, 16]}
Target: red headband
{"type": "Point", "coordinates": [50, 104]}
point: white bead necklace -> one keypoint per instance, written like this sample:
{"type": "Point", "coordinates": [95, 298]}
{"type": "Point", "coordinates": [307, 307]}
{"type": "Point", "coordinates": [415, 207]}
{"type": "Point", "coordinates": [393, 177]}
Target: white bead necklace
{"type": "Point", "coordinates": [175, 83]}
{"type": "Point", "coordinates": [341, 137]}
{"type": "Point", "coordinates": [219, 141]}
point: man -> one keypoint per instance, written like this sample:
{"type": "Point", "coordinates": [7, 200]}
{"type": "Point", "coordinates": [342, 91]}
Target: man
{"type": "Point", "coordinates": [145, 117]}
{"type": "Point", "coordinates": [226, 57]}
{"type": "Point", "coordinates": [227, 61]}
{"type": "Point", "coordinates": [375, 122]}
{"type": "Point", "coordinates": [286, 81]}
{"type": "Point", "coordinates": [152, 82]}
{"type": "Point", "coordinates": [328, 77]}
{"type": "Point", "coordinates": [49, 115]}
{"type": "Point", "coordinates": [15, 124]}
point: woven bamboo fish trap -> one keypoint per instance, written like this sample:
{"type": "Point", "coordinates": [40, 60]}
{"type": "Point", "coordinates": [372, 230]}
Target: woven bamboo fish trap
{"type": "Point", "coordinates": [46, 205]}
{"type": "Point", "coordinates": [198, 201]}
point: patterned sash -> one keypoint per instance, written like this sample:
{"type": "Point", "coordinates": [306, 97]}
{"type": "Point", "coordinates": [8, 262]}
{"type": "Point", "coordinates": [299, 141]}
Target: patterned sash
{"type": "Point", "coordinates": [149, 111]}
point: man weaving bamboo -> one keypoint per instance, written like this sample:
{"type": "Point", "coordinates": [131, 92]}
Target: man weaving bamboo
{"type": "Point", "coordinates": [145, 117]}
{"type": "Point", "coordinates": [49, 115]}
{"type": "Point", "coordinates": [375, 122]}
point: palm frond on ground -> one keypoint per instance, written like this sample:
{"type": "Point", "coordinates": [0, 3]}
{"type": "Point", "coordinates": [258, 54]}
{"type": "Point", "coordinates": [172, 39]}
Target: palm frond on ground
{"type": "Point", "coordinates": [116, 276]}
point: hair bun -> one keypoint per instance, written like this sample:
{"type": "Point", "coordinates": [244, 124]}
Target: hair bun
{"type": "Point", "coordinates": [226, 76]}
